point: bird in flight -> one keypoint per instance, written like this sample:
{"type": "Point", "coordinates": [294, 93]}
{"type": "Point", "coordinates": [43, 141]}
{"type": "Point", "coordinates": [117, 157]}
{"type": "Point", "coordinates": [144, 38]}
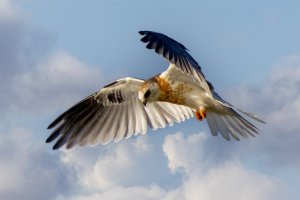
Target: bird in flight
{"type": "Point", "coordinates": [128, 106]}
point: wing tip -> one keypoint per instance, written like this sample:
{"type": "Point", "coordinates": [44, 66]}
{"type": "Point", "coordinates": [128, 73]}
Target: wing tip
{"type": "Point", "coordinates": [142, 32]}
{"type": "Point", "coordinates": [55, 147]}
{"type": "Point", "coordinates": [58, 144]}
{"type": "Point", "coordinates": [53, 136]}
{"type": "Point", "coordinates": [48, 140]}
{"type": "Point", "coordinates": [52, 125]}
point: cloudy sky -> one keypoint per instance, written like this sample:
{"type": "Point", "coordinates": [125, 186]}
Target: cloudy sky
{"type": "Point", "coordinates": [54, 53]}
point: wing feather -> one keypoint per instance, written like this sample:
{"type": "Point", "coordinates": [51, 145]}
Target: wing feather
{"type": "Point", "coordinates": [143, 119]}
{"type": "Point", "coordinates": [105, 135]}
{"type": "Point", "coordinates": [122, 128]}
{"type": "Point", "coordinates": [94, 136]}
{"type": "Point", "coordinates": [151, 117]}
{"type": "Point", "coordinates": [168, 108]}
{"type": "Point", "coordinates": [179, 114]}
{"type": "Point", "coordinates": [168, 117]}
{"type": "Point", "coordinates": [186, 112]}
{"type": "Point", "coordinates": [78, 131]}
{"type": "Point", "coordinates": [131, 122]}
{"type": "Point", "coordinates": [176, 54]}
{"type": "Point", "coordinates": [161, 122]}
{"type": "Point", "coordinates": [112, 113]}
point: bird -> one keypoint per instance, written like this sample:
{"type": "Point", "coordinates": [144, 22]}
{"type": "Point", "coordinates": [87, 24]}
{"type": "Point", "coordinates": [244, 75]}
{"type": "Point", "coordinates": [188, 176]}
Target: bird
{"type": "Point", "coordinates": [128, 106]}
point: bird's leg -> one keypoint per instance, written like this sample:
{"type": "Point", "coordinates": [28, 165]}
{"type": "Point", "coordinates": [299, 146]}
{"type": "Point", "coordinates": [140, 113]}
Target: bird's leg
{"type": "Point", "coordinates": [200, 113]}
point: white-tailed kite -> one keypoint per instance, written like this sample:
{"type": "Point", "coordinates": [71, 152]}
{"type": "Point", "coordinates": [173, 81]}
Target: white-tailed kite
{"type": "Point", "coordinates": [128, 106]}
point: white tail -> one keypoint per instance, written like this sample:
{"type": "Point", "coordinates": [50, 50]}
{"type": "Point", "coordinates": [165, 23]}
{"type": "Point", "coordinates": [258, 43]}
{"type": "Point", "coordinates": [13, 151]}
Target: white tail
{"type": "Point", "coordinates": [231, 123]}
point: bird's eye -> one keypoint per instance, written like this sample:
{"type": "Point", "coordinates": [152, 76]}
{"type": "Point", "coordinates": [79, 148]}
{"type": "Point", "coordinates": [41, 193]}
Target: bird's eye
{"type": "Point", "coordinates": [147, 94]}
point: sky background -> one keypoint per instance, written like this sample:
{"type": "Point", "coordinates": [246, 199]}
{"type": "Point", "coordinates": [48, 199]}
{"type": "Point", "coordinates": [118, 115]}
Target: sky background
{"type": "Point", "coordinates": [55, 53]}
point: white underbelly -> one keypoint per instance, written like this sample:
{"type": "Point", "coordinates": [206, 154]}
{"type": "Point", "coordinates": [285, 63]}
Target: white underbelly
{"type": "Point", "coordinates": [194, 96]}
{"type": "Point", "coordinates": [197, 98]}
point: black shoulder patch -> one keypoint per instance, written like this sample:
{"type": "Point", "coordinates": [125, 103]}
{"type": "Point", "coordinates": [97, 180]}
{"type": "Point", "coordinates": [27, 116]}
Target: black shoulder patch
{"type": "Point", "coordinates": [115, 97]}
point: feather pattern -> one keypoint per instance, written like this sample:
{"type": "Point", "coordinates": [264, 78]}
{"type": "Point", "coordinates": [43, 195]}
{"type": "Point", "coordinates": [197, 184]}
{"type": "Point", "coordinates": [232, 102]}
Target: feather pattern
{"type": "Point", "coordinates": [232, 124]}
{"type": "Point", "coordinates": [176, 54]}
{"type": "Point", "coordinates": [112, 113]}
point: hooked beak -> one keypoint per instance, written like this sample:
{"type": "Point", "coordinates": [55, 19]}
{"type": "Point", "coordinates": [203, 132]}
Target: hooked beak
{"type": "Point", "coordinates": [145, 103]}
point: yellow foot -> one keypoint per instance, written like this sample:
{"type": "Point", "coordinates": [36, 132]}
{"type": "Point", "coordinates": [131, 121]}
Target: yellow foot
{"type": "Point", "coordinates": [200, 114]}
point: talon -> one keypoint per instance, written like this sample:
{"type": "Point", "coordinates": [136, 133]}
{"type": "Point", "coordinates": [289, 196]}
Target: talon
{"type": "Point", "coordinates": [200, 114]}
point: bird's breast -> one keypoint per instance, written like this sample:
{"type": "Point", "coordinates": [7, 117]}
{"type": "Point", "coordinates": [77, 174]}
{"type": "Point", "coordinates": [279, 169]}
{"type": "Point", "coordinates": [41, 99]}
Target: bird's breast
{"type": "Point", "coordinates": [173, 91]}
{"type": "Point", "coordinates": [181, 91]}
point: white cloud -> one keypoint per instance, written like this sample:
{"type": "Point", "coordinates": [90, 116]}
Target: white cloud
{"type": "Point", "coordinates": [115, 167]}
{"type": "Point", "coordinates": [27, 171]}
{"type": "Point", "coordinates": [115, 171]}
{"type": "Point", "coordinates": [31, 79]}
{"type": "Point", "coordinates": [53, 83]}
{"type": "Point", "coordinates": [129, 163]}
{"type": "Point", "coordinates": [185, 158]}
{"type": "Point", "coordinates": [230, 180]}
{"type": "Point", "coordinates": [122, 193]}
{"type": "Point", "coordinates": [107, 177]}
{"type": "Point", "coordinates": [32, 83]}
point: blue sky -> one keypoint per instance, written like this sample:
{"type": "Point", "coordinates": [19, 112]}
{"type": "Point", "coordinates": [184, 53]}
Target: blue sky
{"type": "Point", "coordinates": [254, 32]}
{"type": "Point", "coordinates": [54, 53]}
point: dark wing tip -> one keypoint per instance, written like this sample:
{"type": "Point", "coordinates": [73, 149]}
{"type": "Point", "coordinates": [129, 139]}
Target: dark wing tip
{"type": "Point", "coordinates": [143, 32]}
{"type": "Point", "coordinates": [159, 41]}
{"type": "Point", "coordinates": [49, 140]}
{"type": "Point", "coordinates": [55, 122]}
{"type": "Point", "coordinates": [145, 38]}
{"type": "Point", "coordinates": [51, 125]}
{"type": "Point", "coordinates": [175, 52]}
{"type": "Point", "coordinates": [53, 135]}
{"type": "Point", "coordinates": [56, 146]}
{"type": "Point", "coordinates": [60, 142]}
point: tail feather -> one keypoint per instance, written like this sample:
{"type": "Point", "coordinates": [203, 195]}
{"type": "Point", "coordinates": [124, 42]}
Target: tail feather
{"type": "Point", "coordinates": [229, 122]}
{"type": "Point", "coordinates": [222, 128]}
{"type": "Point", "coordinates": [212, 124]}
{"type": "Point", "coordinates": [232, 124]}
{"type": "Point", "coordinates": [253, 116]}
{"type": "Point", "coordinates": [230, 128]}
{"type": "Point", "coordinates": [237, 127]}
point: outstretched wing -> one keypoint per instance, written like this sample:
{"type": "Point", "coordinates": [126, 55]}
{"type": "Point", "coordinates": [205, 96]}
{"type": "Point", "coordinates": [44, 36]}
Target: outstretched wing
{"type": "Point", "coordinates": [113, 113]}
{"type": "Point", "coordinates": [176, 54]}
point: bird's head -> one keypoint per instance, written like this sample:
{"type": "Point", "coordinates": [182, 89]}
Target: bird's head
{"type": "Point", "coordinates": [149, 91]}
